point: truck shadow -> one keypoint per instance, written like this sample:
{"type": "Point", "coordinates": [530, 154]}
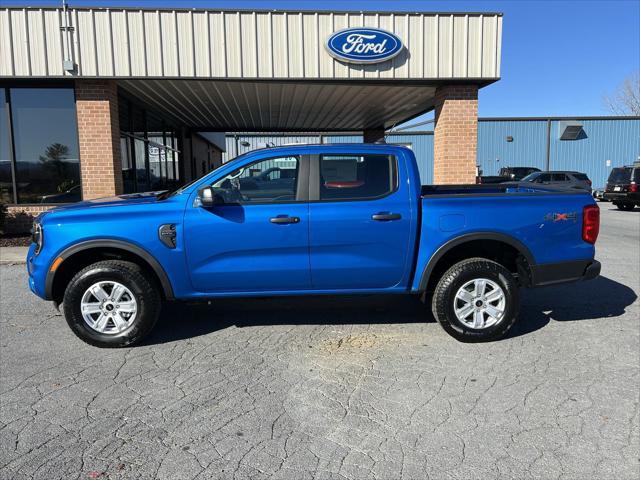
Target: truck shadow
{"type": "Point", "coordinates": [596, 299]}
{"type": "Point", "coordinates": [593, 300]}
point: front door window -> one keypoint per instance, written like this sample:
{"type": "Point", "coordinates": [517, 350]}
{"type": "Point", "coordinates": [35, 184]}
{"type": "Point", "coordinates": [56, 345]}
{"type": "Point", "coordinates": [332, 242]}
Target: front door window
{"type": "Point", "coordinates": [266, 181]}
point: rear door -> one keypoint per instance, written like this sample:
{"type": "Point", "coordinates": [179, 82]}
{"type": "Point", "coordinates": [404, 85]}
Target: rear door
{"type": "Point", "coordinates": [360, 221]}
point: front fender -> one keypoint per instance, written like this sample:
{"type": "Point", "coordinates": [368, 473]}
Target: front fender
{"type": "Point", "coordinates": [114, 244]}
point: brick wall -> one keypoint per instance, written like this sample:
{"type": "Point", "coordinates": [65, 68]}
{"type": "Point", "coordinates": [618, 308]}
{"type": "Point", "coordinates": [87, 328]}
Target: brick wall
{"type": "Point", "coordinates": [455, 140]}
{"type": "Point", "coordinates": [99, 138]}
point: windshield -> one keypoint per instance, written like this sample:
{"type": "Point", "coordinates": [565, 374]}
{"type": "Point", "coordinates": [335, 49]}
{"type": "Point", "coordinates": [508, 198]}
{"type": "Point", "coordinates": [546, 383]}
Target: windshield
{"type": "Point", "coordinates": [620, 175]}
{"type": "Point", "coordinates": [171, 193]}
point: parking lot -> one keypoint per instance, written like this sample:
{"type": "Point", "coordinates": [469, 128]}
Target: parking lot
{"type": "Point", "coordinates": [333, 388]}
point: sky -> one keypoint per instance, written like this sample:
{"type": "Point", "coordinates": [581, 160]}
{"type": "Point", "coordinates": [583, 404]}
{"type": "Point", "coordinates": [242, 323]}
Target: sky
{"type": "Point", "coordinates": [559, 57]}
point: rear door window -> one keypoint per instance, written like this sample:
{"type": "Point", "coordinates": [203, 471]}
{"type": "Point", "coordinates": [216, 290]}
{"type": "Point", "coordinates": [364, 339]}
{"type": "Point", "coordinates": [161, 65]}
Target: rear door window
{"type": "Point", "coordinates": [357, 177]}
{"type": "Point", "coordinates": [559, 177]}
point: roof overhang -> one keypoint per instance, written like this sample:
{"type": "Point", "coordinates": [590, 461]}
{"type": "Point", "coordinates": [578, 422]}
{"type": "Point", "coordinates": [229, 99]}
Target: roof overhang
{"type": "Point", "coordinates": [244, 105]}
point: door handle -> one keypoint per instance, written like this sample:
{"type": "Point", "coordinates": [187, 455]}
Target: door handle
{"type": "Point", "coordinates": [284, 219]}
{"type": "Point", "coordinates": [385, 217]}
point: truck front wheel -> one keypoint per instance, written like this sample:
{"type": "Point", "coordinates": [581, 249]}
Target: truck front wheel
{"type": "Point", "coordinates": [111, 304]}
{"type": "Point", "coordinates": [476, 300]}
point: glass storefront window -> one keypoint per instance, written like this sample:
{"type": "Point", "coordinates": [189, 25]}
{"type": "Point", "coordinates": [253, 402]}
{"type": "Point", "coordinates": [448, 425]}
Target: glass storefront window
{"type": "Point", "coordinates": [176, 159]}
{"type": "Point", "coordinates": [128, 166]}
{"type": "Point", "coordinates": [6, 182]}
{"type": "Point", "coordinates": [155, 149]}
{"type": "Point", "coordinates": [140, 151]}
{"type": "Point", "coordinates": [46, 145]}
{"type": "Point", "coordinates": [157, 172]}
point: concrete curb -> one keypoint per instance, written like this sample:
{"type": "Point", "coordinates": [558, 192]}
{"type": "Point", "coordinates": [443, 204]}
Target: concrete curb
{"type": "Point", "coordinates": [13, 255]}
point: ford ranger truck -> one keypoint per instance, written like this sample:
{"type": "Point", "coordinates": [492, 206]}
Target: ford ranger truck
{"type": "Point", "coordinates": [311, 220]}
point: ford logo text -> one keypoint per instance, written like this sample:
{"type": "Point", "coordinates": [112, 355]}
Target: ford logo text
{"type": "Point", "coordinates": [363, 45]}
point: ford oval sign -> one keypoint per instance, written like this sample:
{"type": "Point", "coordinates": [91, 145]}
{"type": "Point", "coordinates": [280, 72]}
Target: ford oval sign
{"type": "Point", "coordinates": [363, 45]}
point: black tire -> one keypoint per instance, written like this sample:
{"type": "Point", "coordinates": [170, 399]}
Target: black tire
{"type": "Point", "coordinates": [131, 276]}
{"type": "Point", "coordinates": [625, 206]}
{"type": "Point", "coordinates": [443, 303]}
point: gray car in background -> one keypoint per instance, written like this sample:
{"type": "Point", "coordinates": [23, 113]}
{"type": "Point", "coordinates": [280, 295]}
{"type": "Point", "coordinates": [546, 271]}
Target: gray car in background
{"type": "Point", "coordinates": [560, 179]}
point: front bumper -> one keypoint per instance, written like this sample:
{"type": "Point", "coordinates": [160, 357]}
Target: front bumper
{"type": "Point", "coordinates": [552, 273]}
{"type": "Point", "coordinates": [37, 268]}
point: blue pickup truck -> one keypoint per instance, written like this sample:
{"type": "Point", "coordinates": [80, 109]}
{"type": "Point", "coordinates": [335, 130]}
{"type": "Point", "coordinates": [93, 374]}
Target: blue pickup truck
{"type": "Point", "coordinates": [311, 220]}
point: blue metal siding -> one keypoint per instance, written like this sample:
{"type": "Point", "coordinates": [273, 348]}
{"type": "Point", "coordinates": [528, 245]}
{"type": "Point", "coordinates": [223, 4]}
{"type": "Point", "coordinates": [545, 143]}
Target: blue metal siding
{"type": "Point", "coordinates": [422, 146]}
{"type": "Point", "coordinates": [260, 141]}
{"type": "Point", "coordinates": [604, 139]}
{"type": "Point", "coordinates": [342, 138]}
{"type": "Point", "coordinates": [615, 140]}
{"type": "Point", "coordinates": [528, 149]}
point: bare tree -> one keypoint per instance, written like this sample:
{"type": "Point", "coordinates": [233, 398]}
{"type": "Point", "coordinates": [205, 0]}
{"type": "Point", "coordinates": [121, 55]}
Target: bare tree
{"type": "Point", "coordinates": [626, 98]}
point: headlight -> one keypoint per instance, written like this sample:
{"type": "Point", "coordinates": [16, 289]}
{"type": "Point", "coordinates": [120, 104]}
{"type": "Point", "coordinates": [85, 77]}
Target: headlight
{"type": "Point", "coordinates": [37, 236]}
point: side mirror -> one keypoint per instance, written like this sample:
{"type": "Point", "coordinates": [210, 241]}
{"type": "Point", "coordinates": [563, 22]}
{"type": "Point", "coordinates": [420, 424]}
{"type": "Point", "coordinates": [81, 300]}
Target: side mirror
{"type": "Point", "coordinates": [208, 198]}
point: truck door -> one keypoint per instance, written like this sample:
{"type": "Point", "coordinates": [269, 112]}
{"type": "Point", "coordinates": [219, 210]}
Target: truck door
{"type": "Point", "coordinates": [360, 221]}
{"type": "Point", "coordinates": [258, 238]}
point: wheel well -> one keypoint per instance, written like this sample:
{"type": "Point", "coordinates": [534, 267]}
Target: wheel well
{"type": "Point", "coordinates": [79, 260]}
{"type": "Point", "coordinates": [501, 252]}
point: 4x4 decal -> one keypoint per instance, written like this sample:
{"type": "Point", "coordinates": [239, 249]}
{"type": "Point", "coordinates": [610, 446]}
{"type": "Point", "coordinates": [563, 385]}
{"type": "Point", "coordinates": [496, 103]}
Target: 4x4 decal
{"type": "Point", "coordinates": [559, 217]}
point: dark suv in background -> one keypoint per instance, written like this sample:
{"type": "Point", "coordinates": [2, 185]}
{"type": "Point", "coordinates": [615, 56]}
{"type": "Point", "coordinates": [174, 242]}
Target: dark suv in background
{"type": "Point", "coordinates": [560, 179]}
{"type": "Point", "coordinates": [622, 187]}
{"type": "Point", "coordinates": [506, 174]}
{"type": "Point", "coordinates": [517, 173]}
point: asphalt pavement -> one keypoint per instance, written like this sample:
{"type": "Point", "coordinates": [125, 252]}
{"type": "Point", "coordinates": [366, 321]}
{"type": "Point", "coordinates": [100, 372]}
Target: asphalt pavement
{"type": "Point", "coordinates": [333, 388]}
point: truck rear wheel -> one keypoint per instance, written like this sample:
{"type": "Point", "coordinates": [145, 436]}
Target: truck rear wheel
{"type": "Point", "coordinates": [476, 300]}
{"type": "Point", "coordinates": [111, 304]}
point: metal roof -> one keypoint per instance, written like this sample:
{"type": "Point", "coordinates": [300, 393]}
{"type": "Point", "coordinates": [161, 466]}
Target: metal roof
{"type": "Point", "coordinates": [253, 70]}
{"type": "Point", "coordinates": [181, 43]}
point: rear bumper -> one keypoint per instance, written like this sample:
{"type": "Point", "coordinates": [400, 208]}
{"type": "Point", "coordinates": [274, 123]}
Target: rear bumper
{"type": "Point", "coordinates": [622, 197]}
{"type": "Point", "coordinates": [552, 273]}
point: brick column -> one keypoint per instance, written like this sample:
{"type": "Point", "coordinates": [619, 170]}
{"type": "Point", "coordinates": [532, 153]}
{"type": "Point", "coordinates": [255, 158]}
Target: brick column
{"type": "Point", "coordinates": [99, 138]}
{"type": "Point", "coordinates": [455, 140]}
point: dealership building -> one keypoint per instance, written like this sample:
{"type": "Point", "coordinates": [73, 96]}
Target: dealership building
{"type": "Point", "coordinates": [102, 101]}
{"type": "Point", "coordinates": [98, 102]}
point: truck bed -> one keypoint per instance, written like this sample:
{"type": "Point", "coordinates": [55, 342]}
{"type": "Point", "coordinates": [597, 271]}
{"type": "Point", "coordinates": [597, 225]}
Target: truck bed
{"type": "Point", "coordinates": [547, 221]}
{"type": "Point", "coordinates": [490, 189]}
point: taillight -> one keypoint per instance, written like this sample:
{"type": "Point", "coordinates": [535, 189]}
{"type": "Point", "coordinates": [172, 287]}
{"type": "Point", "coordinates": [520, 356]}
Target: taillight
{"type": "Point", "coordinates": [590, 223]}
{"type": "Point", "coordinates": [588, 182]}
{"type": "Point", "coordinates": [633, 188]}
